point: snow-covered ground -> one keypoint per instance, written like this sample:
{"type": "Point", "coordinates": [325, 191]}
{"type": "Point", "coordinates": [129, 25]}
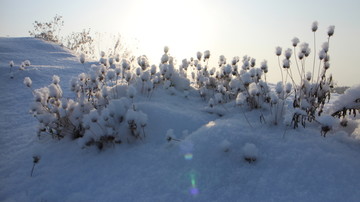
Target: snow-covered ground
{"type": "Point", "coordinates": [206, 165]}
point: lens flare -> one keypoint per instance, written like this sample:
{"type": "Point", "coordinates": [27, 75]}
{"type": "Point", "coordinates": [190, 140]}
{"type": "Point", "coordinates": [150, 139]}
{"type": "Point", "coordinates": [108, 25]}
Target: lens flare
{"type": "Point", "coordinates": [193, 190]}
{"type": "Point", "coordinates": [188, 156]}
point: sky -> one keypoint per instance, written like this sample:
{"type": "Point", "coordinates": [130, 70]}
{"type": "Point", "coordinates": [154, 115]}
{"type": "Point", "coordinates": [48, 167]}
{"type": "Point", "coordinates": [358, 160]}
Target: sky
{"type": "Point", "coordinates": [225, 27]}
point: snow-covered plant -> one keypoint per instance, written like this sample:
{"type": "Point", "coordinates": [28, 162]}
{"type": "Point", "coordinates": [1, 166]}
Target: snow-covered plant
{"type": "Point", "coordinates": [80, 42]}
{"type": "Point", "coordinates": [225, 145]}
{"type": "Point", "coordinates": [348, 103]}
{"type": "Point", "coordinates": [36, 160]}
{"type": "Point", "coordinates": [170, 136]}
{"type": "Point", "coordinates": [57, 116]}
{"type": "Point", "coordinates": [250, 152]}
{"type": "Point", "coordinates": [313, 90]}
{"type": "Point", "coordinates": [48, 31]}
{"type": "Point", "coordinates": [327, 123]}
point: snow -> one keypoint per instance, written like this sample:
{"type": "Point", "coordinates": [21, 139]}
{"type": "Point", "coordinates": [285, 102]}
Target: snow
{"type": "Point", "coordinates": [206, 164]}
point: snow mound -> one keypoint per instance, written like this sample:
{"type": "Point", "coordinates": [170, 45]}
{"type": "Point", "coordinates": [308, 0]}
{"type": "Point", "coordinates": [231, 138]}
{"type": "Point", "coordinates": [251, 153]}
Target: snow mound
{"type": "Point", "coordinates": [206, 164]}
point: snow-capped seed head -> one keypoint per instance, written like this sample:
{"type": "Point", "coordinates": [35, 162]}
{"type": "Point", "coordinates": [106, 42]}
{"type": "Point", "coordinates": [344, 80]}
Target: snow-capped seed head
{"type": "Point", "coordinates": [27, 63]}
{"type": "Point", "coordinates": [301, 55]}
{"type": "Point", "coordinates": [117, 71]}
{"type": "Point", "coordinates": [143, 62]}
{"type": "Point", "coordinates": [327, 57]}
{"type": "Point", "coordinates": [252, 62]}
{"type": "Point", "coordinates": [227, 69]}
{"type": "Point", "coordinates": [307, 53]}
{"type": "Point", "coordinates": [82, 58]}
{"type": "Point", "coordinates": [11, 63]}
{"type": "Point", "coordinates": [241, 99]}
{"type": "Point", "coordinates": [211, 103]}
{"type": "Point", "coordinates": [278, 50]}
{"type": "Point", "coordinates": [102, 54]}
{"type": "Point", "coordinates": [117, 58]}
{"type": "Point", "coordinates": [308, 76]}
{"type": "Point", "coordinates": [218, 98]}
{"type": "Point", "coordinates": [286, 63]}
{"type": "Point", "coordinates": [252, 72]}
{"type": "Point", "coordinates": [198, 55]}
{"type": "Point", "coordinates": [288, 88]}
{"type": "Point", "coordinates": [145, 76]}
{"type": "Point", "coordinates": [264, 66]}
{"type": "Point", "coordinates": [110, 74]}
{"type": "Point", "coordinates": [131, 92]}
{"type": "Point", "coordinates": [331, 30]}
{"type": "Point", "coordinates": [164, 58]}
{"type": "Point", "coordinates": [322, 54]}
{"type": "Point", "coordinates": [303, 47]}
{"type": "Point", "coordinates": [253, 89]}
{"type": "Point", "coordinates": [153, 69]}
{"type": "Point", "coordinates": [27, 82]}
{"type": "Point", "coordinates": [149, 85]}
{"type": "Point", "coordinates": [166, 49]}
{"type": "Point", "coordinates": [222, 60]}
{"type": "Point", "coordinates": [225, 145]}
{"type": "Point", "coordinates": [125, 64]}
{"type": "Point", "coordinates": [94, 116]}
{"type": "Point", "coordinates": [206, 55]}
{"type": "Point", "coordinates": [171, 60]}
{"type": "Point", "coordinates": [274, 99]}
{"type": "Point", "coordinates": [295, 41]}
{"type": "Point", "coordinates": [314, 26]}
{"type": "Point", "coordinates": [104, 92]}
{"type": "Point", "coordinates": [111, 61]}
{"type": "Point", "coordinates": [64, 103]}
{"type": "Point", "coordinates": [327, 65]}
{"type": "Point", "coordinates": [250, 152]}
{"type": "Point", "coordinates": [279, 87]}
{"type": "Point", "coordinates": [288, 53]}
{"type": "Point", "coordinates": [55, 79]}
{"type": "Point", "coordinates": [325, 46]}
{"type": "Point", "coordinates": [170, 135]}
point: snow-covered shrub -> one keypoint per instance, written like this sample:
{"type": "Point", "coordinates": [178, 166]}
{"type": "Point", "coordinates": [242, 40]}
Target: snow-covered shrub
{"type": "Point", "coordinates": [57, 116]}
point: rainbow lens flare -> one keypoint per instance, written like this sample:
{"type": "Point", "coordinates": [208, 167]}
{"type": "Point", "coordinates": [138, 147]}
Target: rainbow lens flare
{"type": "Point", "coordinates": [193, 190]}
{"type": "Point", "coordinates": [188, 156]}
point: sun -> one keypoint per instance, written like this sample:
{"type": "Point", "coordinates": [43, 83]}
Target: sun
{"type": "Point", "coordinates": [180, 25]}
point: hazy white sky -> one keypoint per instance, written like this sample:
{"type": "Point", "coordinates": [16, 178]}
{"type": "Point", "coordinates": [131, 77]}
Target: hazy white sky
{"type": "Point", "coordinates": [228, 27]}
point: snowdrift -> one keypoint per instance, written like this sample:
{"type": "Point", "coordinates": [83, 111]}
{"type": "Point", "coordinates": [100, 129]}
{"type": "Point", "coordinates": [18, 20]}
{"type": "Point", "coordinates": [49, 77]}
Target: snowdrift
{"type": "Point", "coordinates": [208, 163]}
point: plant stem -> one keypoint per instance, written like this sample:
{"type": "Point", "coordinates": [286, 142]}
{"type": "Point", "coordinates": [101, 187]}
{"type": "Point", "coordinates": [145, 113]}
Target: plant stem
{"type": "Point", "coordinates": [32, 170]}
{"type": "Point", "coordinates": [312, 78]}
{"type": "Point", "coordinates": [282, 76]}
